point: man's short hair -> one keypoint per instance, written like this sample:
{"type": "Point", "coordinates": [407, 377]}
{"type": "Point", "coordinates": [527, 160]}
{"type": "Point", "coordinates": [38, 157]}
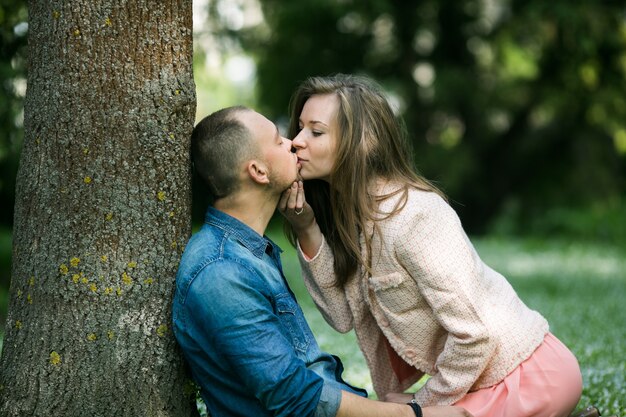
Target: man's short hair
{"type": "Point", "coordinates": [219, 144]}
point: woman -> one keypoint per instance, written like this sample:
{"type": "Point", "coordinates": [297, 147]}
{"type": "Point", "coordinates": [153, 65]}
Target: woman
{"type": "Point", "coordinates": [384, 254]}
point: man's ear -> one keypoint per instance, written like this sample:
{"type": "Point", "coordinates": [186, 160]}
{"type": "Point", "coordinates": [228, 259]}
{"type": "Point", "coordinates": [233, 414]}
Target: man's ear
{"type": "Point", "coordinates": [258, 171]}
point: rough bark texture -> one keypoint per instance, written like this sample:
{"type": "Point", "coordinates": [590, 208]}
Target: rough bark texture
{"type": "Point", "coordinates": [102, 212]}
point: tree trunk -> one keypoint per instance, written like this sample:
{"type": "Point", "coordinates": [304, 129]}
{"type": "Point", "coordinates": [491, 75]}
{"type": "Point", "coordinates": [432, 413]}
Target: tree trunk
{"type": "Point", "coordinates": [102, 212]}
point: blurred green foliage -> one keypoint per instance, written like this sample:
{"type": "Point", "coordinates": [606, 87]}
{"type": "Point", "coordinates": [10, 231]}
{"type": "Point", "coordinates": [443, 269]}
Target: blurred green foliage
{"type": "Point", "coordinates": [13, 29]}
{"type": "Point", "coordinates": [517, 109]}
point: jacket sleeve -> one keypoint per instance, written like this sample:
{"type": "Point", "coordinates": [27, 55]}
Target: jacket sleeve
{"type": "Point", "coordinates": [320, 280]}
{"type": "Point", "coordinates": [437, 254]}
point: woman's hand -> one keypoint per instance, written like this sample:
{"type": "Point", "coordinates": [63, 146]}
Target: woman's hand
{"type": "Point", "coordinates": [293, 206]}
{"type": "Point", "coordinates": [299, 213]}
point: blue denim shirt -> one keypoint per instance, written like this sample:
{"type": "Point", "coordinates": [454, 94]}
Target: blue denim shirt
{"type": "Point", "coordinates": [242, 331]}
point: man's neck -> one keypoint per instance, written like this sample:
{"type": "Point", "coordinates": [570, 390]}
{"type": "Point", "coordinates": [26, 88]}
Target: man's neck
{"type": "Point", "coordinates": [252, 209]}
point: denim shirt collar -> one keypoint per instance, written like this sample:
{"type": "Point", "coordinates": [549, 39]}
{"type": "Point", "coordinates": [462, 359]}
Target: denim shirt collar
{"type": "Point", "coordinates": [244, 234]}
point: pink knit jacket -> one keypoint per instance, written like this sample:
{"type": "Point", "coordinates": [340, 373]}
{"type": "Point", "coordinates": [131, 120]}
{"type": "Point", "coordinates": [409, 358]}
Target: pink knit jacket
{"type": "Point", "coordinates": [441, 309]}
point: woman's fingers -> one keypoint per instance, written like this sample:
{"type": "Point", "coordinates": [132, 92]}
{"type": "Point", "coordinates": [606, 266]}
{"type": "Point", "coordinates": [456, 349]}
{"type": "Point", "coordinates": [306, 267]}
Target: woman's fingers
{"type": "Point", "coordinates": [293, 195]}
{"type": "Point", "coordinates": [300, 200]}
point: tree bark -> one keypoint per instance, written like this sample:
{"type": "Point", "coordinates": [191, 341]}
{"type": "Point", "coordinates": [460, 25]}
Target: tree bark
{"type": "Point", "coordinates": [103, 210]}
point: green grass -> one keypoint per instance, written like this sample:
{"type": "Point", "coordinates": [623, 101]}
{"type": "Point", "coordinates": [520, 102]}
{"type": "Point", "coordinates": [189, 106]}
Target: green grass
{"type": "Point", "coordinates": [580, 288]}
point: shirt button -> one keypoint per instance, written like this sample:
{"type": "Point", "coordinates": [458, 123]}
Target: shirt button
{"type": "Point", "coordinates": [410, 353]}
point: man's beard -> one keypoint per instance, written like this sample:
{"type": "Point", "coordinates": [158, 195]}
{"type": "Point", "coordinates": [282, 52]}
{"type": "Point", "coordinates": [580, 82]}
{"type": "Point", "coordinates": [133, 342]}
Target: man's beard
{"type": "Point", "coordinates": [281, 184]}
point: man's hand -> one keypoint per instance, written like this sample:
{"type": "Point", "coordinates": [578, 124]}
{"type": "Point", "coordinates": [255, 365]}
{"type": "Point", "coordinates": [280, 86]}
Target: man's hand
{"type": "Point", "coordinates": [398, 397]}
{"type": "Point", "coordinates": [434, 411]}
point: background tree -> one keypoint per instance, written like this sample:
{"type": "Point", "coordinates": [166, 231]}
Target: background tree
{"type": "Point", "coordinates": [516, 108]}
{"type": "Point", "coordinates": [102, 212]}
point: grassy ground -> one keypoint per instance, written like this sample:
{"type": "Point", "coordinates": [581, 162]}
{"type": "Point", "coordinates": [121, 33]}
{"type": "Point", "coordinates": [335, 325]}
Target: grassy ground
{"type": "Point", "coordinates": [579, 288]}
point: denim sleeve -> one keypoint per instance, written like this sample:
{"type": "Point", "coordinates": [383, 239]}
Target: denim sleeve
{"type": "Point", "coordinates": [230, 306]}
{"type": "Point", "coordinates": [329, 402]}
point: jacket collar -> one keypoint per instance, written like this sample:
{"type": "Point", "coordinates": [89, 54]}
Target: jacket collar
{"type": "Point", "coordinates": [243, 233]}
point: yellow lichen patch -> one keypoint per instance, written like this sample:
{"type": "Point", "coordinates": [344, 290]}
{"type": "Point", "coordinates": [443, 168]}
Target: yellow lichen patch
{"type": "Point", "coordinates": [126, 279]}
{"type": "Point", "coordinates": [56, 14]}
{"type": "Point", "coordinates": [148, 280]}
{"type": "Point", "coordinates": [76, 32]}
{"type": "Point", "coordinates": [174, 245]}
{"type": "Point", "coordinates": [161, 195]}
{"type": "Point", "coordinates": [107, 21]}
{"type": "Point", "coordinates": [171, 136]}
{"type": "Point", "coordinates": [76, 278]}
{"type": "Point", "coordinates": [74, 262]}
{"type": "Point", "coordinates": [84, 280]}
{"type": "Point", "coordinates": [55, 358]}
{"type": "Point", "coordinates": [87, 180]}
{"type": "Point", "coordinates": [172, 214]}
{"type": "Point", "coordinates": [132, 264]}
{"type": "Point", "coordinates": [18, 324]}
{"type": "Point", "coordinates": [110, 334]}
{"type": "Point", "coordinates": [109, 216]}
{"type": "Point", "coordinates": [85, 151]}
{"type": "Point", "coordinates": [177, 92]}
{"type": "Point", "coordinates": [93, 287]}
{"type": "Point", "coordinates": [31, 281]}
{"type": "Point", "coordinates": [92, 337]}
{"type": "Point", "coordinates": [29, 299]}
{"type": "Point", "coordinates": [63, 269]}
{"type": "Point", "coordinates": [108, 290]}
{"type": "Point", "coordinates": [119, 291]}
{"type": "Point", "coordinates": [161, 330]}
{"type": "Point", "coordinates": [19, 293]}
{"type": "Point", "coordinates": [104, 258]}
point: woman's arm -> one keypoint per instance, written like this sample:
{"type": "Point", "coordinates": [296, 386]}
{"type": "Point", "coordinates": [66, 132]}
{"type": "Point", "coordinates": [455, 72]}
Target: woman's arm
{"type": "Point", "coordinates": [320, 280]}
{"type": "Point", "coordinates": [316, 259]}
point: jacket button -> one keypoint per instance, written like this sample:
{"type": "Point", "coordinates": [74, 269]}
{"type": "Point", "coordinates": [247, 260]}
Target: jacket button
{"type": "Point", "coordinates": [384, 322]}
{"type": "Point", "coordinates": [410, 353]}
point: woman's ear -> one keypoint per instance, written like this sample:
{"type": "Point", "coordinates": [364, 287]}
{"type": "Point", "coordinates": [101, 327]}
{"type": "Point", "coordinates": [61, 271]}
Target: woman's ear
{"type": "Point", "coordinates": [258, 171]}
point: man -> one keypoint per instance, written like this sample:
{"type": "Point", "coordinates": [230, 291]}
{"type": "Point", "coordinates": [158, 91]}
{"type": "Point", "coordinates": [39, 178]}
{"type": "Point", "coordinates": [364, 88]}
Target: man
{"type": "Point", "coordinates": [238, 323]}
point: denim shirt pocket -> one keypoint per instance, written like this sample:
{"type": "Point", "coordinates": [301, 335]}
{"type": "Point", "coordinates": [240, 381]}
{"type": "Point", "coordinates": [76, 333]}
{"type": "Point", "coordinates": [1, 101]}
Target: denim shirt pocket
{"type": "Point", "coordinates": [292, 318]}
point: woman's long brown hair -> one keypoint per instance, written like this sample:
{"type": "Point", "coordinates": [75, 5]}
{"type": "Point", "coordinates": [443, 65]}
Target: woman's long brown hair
{"type": "Point", "coordinates": [372, 144]}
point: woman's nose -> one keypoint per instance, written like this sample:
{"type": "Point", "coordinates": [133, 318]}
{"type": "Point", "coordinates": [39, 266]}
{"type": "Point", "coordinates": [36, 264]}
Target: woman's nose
{"type": "Point", "coordinates": [297, 142]}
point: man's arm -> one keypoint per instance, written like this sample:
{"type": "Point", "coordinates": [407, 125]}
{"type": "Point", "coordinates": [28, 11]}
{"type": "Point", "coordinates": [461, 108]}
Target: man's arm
{"type": "Point", "coordinates": [355, 406]}
{"type": "Point", "coordinates": [232, 321]}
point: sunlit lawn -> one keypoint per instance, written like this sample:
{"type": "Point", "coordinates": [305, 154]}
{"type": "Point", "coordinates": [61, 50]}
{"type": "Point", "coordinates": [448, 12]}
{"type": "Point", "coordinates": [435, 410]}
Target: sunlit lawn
{"type": "Point", "coordinates": [579, 288]}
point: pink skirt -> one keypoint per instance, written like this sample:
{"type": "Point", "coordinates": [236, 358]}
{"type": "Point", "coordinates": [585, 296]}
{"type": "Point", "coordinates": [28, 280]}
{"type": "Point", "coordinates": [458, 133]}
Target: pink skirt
{"type": "Point", "coordinates": [548, 384]}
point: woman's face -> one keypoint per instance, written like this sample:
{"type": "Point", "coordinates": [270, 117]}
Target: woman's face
{"type": "Point", "coordinates": [316, 143]}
